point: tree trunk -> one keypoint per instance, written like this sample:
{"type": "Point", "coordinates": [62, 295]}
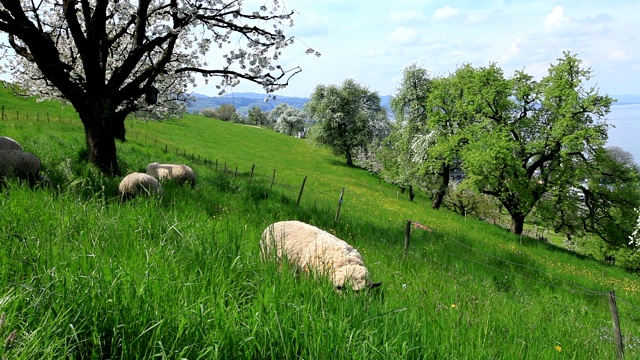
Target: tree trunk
{"type": "Point", "coordinates": [411, 194]}
{"type": "Point", "coordinates": [101, 145]}
{"type": "Point", "coordinates": [442, 189]}
{"type": "Point", "coordinates": [349, 158]}
{"type": "Point", "coordinates": [517, 223]}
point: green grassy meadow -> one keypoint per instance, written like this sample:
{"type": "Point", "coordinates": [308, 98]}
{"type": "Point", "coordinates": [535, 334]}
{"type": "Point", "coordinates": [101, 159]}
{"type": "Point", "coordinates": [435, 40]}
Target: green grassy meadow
{"type": "Point", "coordinates": [85, 276]}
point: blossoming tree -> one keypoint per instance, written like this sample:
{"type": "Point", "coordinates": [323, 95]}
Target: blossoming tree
{"type": "Point", "coordinates": [112, 58]}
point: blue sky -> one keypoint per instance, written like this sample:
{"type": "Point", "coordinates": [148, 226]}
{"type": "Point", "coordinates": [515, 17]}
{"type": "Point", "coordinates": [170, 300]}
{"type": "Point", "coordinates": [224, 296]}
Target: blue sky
{"type": "Point", "coordinates": [373, 41]}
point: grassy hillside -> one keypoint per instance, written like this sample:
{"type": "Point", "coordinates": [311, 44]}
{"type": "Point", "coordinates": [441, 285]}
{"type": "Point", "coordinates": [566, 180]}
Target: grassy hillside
{"type": "Point", "coordinates": [83, 275]}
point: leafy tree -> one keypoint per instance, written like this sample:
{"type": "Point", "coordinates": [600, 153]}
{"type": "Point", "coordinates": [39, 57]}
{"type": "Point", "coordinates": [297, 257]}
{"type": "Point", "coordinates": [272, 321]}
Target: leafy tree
{"type": "Point", "coordinates": [433, 113]}
{"type": "Point", "coordinates": [208, 112]}
{"type": "Point", "coordinates": [528, 136]}
{"type": "Point", "coordinates": [257, 117]}
{"type": "Point", "coordinates": [349, 118]}
{"type": "Point", "coordinates": [107, 57]}
{"type": "Point", "coordinates": [611, 193]}
{"type": "Point", "coordinates": [405, 149]}
{"type": "Point", "coordinates": [227, 112]}
{"type": "Point", "coordinates": [287, 119]}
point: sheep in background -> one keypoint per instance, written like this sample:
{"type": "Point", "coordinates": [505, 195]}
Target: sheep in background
{"type": "Point", "coordinates": [179, 173]}
{"type": "Point", "coordinates": [314, 249]}
{"type": "Point", "coordinates": [20, 164]}
{"type": "Point", "coordinates": [137, 183]}
{"type": "Point", "coordinates": [8, 144]}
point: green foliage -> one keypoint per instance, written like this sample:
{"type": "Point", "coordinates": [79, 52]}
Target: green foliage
{"type": "Point", "coordinates": [257, 117]}
{"type": "Point", "coordinates": [468, 202]}
{"type": "Point", "coordinates": [528, 135]}
{"type": "Point", "coordinates": [225, 112]}
{"type": "Point", "coordinates": [349, 118]}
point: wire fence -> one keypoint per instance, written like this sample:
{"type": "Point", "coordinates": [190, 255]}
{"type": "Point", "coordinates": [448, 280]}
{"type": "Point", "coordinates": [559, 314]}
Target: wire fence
{"type": "Point", "coordinates": [26, 115]}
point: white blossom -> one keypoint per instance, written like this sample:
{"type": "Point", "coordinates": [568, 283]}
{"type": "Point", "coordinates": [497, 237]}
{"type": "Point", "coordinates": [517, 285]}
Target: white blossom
{"type": "Point", "coordinates": [634, 238]}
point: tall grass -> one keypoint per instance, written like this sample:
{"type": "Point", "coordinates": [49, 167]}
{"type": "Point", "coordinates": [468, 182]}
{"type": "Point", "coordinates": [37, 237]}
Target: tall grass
{"type": "Point", "coordinates": [83, 275]}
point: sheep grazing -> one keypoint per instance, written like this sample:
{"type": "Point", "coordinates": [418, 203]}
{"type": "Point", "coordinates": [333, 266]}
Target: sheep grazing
{"type": "Point", "coordinates": [314, 249]}
{"type": "Point", "coordinates": [20, 164]}
{"type": "Point", "coordinates": [177, 172]}
{"type": "Point", "coordinates": [8, 144]}
{"type": "Point", "coordinates": [136, 184]}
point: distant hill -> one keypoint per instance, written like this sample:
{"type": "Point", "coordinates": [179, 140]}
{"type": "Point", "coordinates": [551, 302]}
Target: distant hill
{"type": "Point", "coordinates": [243, 102]}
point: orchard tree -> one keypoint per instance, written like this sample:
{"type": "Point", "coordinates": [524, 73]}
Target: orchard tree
{"type": "Point", "coordinates": [257, 117]}
{"type": "Point", "coordinates": [528, 136]}
{"type": "Point", "coordinates": [287, 119]}
{"type": "Point", "coordinates": [227, 112]}
{"type": "Point", "coordinates": [348, 118]}
{"type": "Point", "coordinates": [405, 149]}
{"type": "Point", "coordinates": [434, 114]}
{"type": "Point", "coordinates": [112, 58]}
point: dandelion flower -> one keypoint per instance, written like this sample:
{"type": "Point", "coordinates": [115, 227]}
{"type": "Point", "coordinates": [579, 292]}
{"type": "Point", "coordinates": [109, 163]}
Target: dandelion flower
{"type": "Point", "coordinates": [453, 306]}
{"type": "Point", "coordinates": [558, 348]}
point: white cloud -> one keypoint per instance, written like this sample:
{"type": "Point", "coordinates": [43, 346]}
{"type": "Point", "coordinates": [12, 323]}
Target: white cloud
{"type": "Point", "coordinates": [477, 17]}
{"type": "Point", "coordinates": [513, 51]}
{"type": "Point", "coordinates": [445, 13]}
{"type": "Point", "coordinates": [404, 35]}
{"type": "Point", "coordinates": [556, 19]}
{"type": "Point", "coordinates": [619, 55]}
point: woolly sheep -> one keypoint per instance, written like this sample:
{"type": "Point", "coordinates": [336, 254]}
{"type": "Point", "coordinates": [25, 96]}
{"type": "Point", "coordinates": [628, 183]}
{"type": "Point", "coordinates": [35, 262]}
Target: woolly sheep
{"type": "Point", "coordinates": [137, 183]}
{"type": "Point", "coordinates": [7, 144]}
{"type": "Point", "coordinates": [178, 172]}
{"type": "Point", "coordinates": [20, 164]}
{"type": "Point", "coordinates": [314, 249]}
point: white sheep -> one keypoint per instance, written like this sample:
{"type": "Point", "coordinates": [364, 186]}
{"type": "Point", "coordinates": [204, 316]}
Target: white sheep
{"type": "Point", "coordinates": [137, 183]}
{"type": "Point", "coordinates": [7, 144]}
{"type": "Point", "coordinates": [179, 173]}
{"type": "Point", "coordinates": [20, 164]}
{"type": "Point", "coordinates": [313, 249]}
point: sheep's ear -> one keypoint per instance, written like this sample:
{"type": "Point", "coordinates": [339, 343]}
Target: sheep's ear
{"type": "Point", "coordinates": [374, 285]}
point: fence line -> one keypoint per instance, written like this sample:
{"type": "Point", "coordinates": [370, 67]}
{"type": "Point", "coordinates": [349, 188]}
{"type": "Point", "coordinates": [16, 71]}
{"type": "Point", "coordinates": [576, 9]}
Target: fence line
{"type": "Point", "coordinates": [29, 116]}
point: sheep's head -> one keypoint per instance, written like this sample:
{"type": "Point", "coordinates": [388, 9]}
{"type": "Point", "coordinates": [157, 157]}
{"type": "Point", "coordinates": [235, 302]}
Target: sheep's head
{"type": "Point", "coordinates": [355, 276]}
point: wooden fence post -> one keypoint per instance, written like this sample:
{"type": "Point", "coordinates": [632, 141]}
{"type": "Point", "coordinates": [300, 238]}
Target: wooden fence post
{"type": "Point", "coordinates": [407, 236]}
{"type": "Point", "coordinates": [273, 178]}
{"type": "Point", "coordinates": [617, 335]}
{"type": "Point", "coordinates": [335, 220]}
{"type": "Point", "coordinates": [301, 189]}
{"type": "Point", "coordinates": [253, 167]}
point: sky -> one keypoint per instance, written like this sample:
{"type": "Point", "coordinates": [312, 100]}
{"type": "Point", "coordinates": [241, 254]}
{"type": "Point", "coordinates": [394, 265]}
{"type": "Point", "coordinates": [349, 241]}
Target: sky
{"type": "Point", "coordinates": [373, 41]}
